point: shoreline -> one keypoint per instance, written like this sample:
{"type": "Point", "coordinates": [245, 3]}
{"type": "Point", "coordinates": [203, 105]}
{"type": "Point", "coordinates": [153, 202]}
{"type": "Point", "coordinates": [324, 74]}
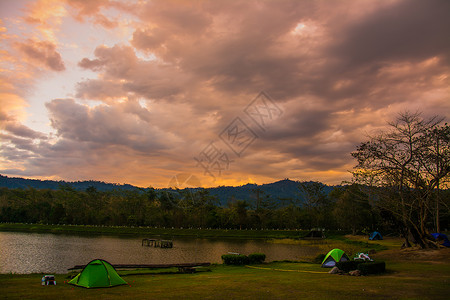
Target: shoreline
{"type": "Point", "coordinates": [152, 231]}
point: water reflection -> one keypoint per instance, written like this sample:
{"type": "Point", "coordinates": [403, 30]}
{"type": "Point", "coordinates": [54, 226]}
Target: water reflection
{"type": "Point", "coordinates": [50, 253]}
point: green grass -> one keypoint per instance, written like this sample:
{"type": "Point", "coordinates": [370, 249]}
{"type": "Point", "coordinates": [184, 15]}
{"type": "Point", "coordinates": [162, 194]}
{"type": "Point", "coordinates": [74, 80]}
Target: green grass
{"type": "Point", "coordinates": [404, 280]}
{"type": "Point", "coordinates": [350, 244]}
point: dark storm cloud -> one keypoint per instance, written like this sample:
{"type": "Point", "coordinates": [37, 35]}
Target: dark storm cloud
{"type": "Point", "coordinates": [340, 60]}
{"type": "Point", "coordinates": [238, 51]}
{"type": "Point", "coordinates": [410, 30]}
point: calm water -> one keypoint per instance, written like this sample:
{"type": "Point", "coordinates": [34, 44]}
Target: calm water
{"type": "Point", "coordinates": [50, 253]}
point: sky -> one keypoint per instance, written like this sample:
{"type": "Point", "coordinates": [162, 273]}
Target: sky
{"type": "Point", "coordinates": [209, 93]}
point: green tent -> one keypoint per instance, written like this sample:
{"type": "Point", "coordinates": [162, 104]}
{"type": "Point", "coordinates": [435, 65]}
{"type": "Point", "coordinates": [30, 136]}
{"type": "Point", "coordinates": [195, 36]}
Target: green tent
{"type": "Point", "coordinates": [333, 257]}
{"type": "Point", "coordinates": [98, 273]}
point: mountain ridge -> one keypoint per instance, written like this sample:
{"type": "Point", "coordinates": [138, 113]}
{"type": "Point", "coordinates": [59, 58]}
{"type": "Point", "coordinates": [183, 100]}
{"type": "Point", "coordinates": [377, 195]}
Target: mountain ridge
{"type": "Point", "coordinates": [282, 192]}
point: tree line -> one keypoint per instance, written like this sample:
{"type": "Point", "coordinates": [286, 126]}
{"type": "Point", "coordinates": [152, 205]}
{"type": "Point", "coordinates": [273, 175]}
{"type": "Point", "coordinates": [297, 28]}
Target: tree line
{"type": "Point", "coordinates": [347, 207]}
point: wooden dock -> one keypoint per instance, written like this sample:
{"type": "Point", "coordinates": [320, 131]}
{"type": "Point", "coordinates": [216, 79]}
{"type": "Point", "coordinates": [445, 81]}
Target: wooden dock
{"type": "Point", "coordinates": [157, 243]}
{"type": "Point", "coordinates": [183, 267]}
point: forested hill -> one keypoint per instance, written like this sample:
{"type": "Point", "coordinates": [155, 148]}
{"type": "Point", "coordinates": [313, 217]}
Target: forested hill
{"type": "Point", "coordinates": [283, 192]}
{"type": "Point", "coordinates": [22, 183]}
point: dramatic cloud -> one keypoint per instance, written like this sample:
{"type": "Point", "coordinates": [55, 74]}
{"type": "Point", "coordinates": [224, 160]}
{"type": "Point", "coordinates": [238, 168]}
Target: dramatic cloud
{"type": "Point", "coordinates": [120, 66]}
{"type": "Point", "coordinates": [92, 9]}
{"type": "Point", "coordinates": [125, 124]}
{"type": "Point", "coordinates": [43, 53]}
{"type": "Point", "coordinates": [151, 89]}
{"type": "Point", "coordinates": [405, 31]}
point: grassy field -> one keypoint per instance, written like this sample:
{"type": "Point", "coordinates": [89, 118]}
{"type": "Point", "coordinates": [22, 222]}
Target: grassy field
{"type": "Point", "coordinates": [411, 274]}
{"type": "Point", "coordinates": [405, 279]}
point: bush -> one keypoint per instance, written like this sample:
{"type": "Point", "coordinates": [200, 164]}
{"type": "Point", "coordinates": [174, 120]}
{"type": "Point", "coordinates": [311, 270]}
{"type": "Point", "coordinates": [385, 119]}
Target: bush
{"type": "Point", "coordinates": [256, 258]}
{"type": "Point", "coordinates": [239, 259]}
{"type": "Point", "coordinates": [373, 267]}
{"type": "Point", "coordinates": [348, 265]}
{"type": "Point", "coordinates": [234, 259]}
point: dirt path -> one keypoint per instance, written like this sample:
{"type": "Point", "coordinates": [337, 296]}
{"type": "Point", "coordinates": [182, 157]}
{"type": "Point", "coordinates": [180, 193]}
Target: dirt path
{"type": "Point", "coordinates": [441, 255]}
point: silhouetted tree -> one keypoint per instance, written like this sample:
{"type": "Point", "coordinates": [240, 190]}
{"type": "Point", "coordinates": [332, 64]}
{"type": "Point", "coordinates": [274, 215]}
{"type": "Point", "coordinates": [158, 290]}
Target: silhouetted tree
{"type": "Point", "coordinates": [405, 166]}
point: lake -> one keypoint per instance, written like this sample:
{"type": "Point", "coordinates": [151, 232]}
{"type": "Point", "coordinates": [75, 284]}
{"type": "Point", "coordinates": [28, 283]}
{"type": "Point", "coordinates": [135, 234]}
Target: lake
{"type": "Point", "coordinates": [50, 253]}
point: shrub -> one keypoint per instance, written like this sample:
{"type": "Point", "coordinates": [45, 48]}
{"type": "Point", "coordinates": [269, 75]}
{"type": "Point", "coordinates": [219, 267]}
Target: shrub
{"type": "Point", "coordinates": [233, 259]}
{"type": "Point", "coordinates": [256, 258]}
{"type": "Point", "coordinates": [373, 267]}
{"type": "Point", "coordinates": [348, 265]}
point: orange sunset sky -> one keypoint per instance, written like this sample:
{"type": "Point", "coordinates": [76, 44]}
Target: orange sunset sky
{"type": "Point", "coordinates": [229, 91]}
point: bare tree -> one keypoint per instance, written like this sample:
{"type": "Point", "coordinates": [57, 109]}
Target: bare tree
{"type": "Point", "coordinates": [406, 165]}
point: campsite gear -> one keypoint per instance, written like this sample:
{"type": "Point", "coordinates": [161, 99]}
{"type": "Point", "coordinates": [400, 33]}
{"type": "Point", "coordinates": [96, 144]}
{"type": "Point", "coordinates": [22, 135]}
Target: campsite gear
{"type": "Point", "coordinates": [48, 280]}
{"type": "Point", "coordinates": [375, 236]}
{"type": "Point", "coordinates": [442, 239]}
{"type": "Point", "coordinates": [333, 257]}
{"type": "Point", "coordinates": [98, 273]}
{"type": "Point", "coordinates": [362, 256]}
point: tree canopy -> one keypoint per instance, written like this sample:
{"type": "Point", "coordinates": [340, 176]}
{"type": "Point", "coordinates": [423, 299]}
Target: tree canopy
{"type": "Point", "coordinates": [406, 166]}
